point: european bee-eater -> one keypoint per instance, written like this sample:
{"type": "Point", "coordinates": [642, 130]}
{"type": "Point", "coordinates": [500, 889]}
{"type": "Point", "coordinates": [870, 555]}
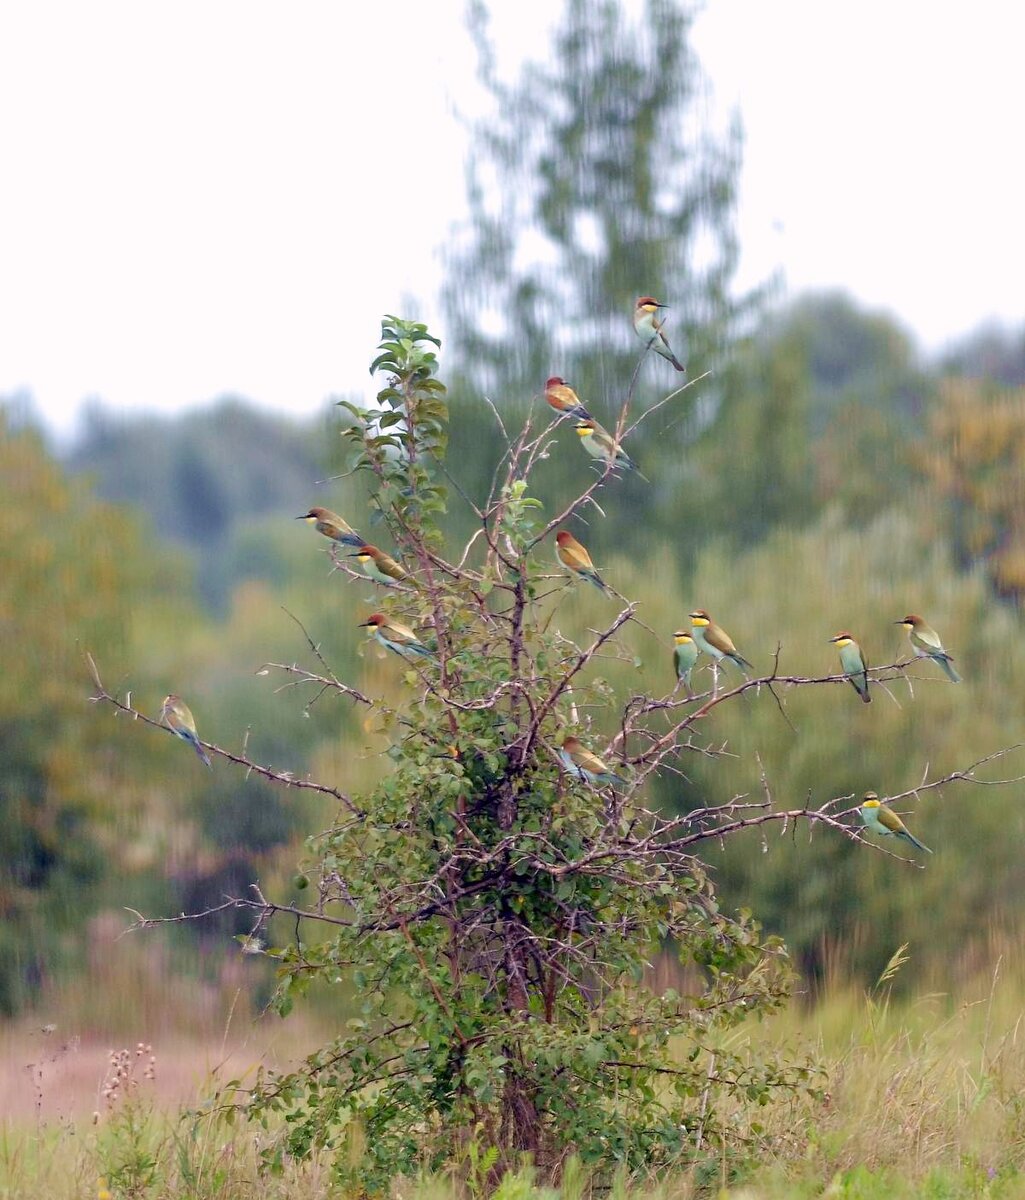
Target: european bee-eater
{"type": "Point", "coordinates": [715, 641]}
{"type": "Point", "coordinates": [587, 766]}
{"type": "Point", "coordinates": [925, 642]}
{"type": "Point", "coordinates": [685, 655]}
{"type": "Point", "coordinates": [599, 443]}
{"type": "Point", "coordinates": [649, 329]}
{"type": "Point", "coordinates": [853, 663]}
{"type": "Point", "coordinates": [380, 567]}
{"type": "Point", "coordinates": [576, 560]}
{"type": "Point", "coordinates": [332, 526]}
{"type": "Point", "coordinates": [176, 716]}
{"type": "Point", "coordinates": [564, 399]}
{"type": "Point", "coordinates": [396, 636]}
{"type": "Point", "coordinates": [885, 821]}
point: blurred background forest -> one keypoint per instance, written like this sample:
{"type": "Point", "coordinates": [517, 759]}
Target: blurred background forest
{"type": "Point", "coordinates": [826, 475]}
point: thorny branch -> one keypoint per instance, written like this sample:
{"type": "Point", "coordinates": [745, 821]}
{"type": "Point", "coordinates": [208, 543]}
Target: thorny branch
{"type": "Point", "coordinates": [287, 778]}
{"type": "Point", "coordinates": [646, 839]}
{"type": "Point", "coordinates": [468, 881]}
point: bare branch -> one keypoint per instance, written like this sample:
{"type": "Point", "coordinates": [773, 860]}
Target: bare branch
{"type": "Point", "coordinates": [102, 696]}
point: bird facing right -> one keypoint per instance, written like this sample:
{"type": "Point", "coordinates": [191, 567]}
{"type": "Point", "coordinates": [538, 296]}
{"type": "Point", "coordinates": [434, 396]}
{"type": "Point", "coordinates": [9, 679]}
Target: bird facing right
{"type": "Point", "coordinates": [649, 327]}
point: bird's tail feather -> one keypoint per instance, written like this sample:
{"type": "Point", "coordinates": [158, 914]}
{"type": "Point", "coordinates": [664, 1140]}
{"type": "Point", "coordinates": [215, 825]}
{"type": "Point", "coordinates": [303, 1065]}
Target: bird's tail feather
{"type": "Point", "coordinates": [914, 841]}
{"type": "Point", "coordinates": [625, 461]}
{"type": "Point", "coordinates": [948, 666]}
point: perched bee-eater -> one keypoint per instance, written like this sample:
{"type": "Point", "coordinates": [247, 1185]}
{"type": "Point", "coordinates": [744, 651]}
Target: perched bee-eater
{"type": "Point", "coordinates": [587, 766]}
{"type": "Point", "coordinates": [576, 560]}
{"type": "Point", "coordinates": [649, 329]}
{"type": "Point", "coordinates": [925, 642]}
{"type": "Point", "coordinates": [395, 636]}
{"type": "Point", "coordinates": [380, 567]}
{"type": "Point", "coordinates": [885, 822]}
{"type": "Point", "coordinates": [715, 641]}
{"type": "Point", "coordinates": [599, 443]}
{"type": "Point", "coordinates": [853, 663]}
{"type": "Point", "coordinates": [332, 526]}
{"type": "Point", "coordinates": [176, 716]}
{"type": "Point", "coordinates": [685, 655]}
{"type": "Point", "coordinates": [564, 399]}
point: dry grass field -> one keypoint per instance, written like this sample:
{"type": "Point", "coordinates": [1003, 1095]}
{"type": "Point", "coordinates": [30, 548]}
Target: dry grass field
{"type": "Point", "coordinates": [925, 1098]}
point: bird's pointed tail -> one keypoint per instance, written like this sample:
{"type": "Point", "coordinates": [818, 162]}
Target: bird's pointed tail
{"type": "Point", "coordinates": [948, 666]}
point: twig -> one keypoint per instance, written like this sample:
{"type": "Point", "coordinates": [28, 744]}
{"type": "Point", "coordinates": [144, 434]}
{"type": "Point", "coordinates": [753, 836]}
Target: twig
{"type": "Point", "coordinates": [102, 696]}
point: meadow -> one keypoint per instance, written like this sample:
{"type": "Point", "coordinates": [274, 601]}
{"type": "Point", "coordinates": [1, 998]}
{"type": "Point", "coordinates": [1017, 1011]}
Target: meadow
{"type": "Point", "coordinates": [818, 471]}
{"type": "Point", "coordinates": [922, 1095]}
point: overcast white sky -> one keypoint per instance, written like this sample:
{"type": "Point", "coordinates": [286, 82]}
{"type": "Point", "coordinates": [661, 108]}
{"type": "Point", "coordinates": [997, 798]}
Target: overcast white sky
{"type": "Point", "coordinates": [193, 199]}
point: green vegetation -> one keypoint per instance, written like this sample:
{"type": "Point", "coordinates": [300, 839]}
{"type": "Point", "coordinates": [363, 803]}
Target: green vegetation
{"type": "Point", "coordinates": [72, 571]}
{"type": "Point", "coordinates": [822, 477]}
{"type": "Point", "coordinates": [497, 914]}
{"type": "Point", "coordinates": [921, 1100]}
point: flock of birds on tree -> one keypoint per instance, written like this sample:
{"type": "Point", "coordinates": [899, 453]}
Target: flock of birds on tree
{"type": "Point", "coordinates": [703, 636]}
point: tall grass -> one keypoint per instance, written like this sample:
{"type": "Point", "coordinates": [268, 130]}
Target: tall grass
{"type": "Point", "coordinates": [924, 1096]}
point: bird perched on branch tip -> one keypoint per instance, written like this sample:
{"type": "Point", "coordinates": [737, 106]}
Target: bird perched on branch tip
{"type": "Point", "coordinates": [649, 327]}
